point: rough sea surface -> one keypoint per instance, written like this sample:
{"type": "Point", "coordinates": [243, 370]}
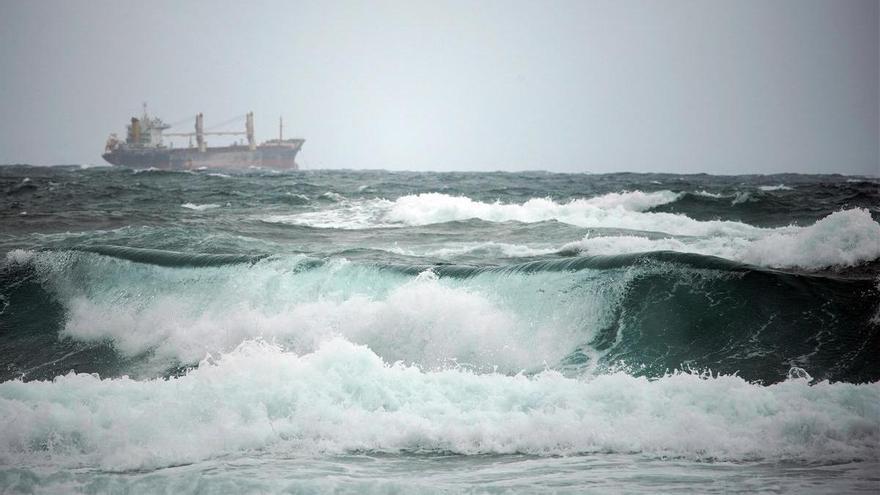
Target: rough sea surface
{"type": "Point", "coordinates": [370, 331]}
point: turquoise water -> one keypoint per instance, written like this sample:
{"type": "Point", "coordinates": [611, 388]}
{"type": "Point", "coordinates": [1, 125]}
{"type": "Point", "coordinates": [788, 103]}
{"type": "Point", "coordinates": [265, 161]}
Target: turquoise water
{"type": "Point", "coordinates": [345, 331]}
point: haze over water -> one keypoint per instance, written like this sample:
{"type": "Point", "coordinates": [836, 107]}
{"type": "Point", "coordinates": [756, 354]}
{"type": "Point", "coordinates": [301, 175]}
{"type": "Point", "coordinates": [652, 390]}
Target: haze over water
{"type": "Point", "coordinates": [748, 86]}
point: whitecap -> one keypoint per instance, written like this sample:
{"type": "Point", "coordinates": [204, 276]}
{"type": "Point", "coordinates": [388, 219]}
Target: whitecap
{"type": "Point", "coordinates": [843, 238]}
{"type": "Point", "coordinates": [779, 187]}
{"type": "Point", "coordinates": [198, 207]}
{"type": "Point", "coordinates": [333, 196]}
{"type": "Point", "coordinates": [627, 210]}
{"type": "Point", "coordinates": [344, 398]}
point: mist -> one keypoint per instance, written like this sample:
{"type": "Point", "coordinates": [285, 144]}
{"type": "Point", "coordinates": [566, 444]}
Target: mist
{"type": "Point", "coordinates": [567, 86]}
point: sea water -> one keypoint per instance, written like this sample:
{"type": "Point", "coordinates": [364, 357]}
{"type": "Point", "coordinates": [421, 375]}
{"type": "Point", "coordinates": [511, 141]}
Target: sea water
{"type": "Point", "coordinates": [401, 332]}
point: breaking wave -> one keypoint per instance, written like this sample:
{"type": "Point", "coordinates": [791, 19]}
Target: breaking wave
{"type": "Point", "coordinates": [614, 210]}
{"type": "Point", "coordinates": [841, 239]}
{"type": "Point", "coordinates": [844, 238]}
{"type": "Point", "coordinates": [344, 398]}
{"type": "Point", "coordinates": [349, 328]}
{"type": "Point", "coordinates": [148, 314]}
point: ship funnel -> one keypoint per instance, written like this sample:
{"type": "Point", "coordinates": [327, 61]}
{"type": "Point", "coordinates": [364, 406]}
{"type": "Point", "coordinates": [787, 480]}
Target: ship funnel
{"type": "Point", "coordinates": [200, 132]}
{"type": "Point", "coordinates": [249, 130]}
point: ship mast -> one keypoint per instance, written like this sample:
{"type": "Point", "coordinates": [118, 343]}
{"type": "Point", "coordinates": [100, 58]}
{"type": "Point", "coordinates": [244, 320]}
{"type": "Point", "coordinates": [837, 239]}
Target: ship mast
{"type": "Point", "coordinates": [249, 131]}
{"type": "Point", "coordinates": [200, 132]}
{"type": "Point", "coordinates": [280, 129]}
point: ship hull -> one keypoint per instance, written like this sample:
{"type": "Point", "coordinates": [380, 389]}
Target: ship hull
{"type": "Point", "coordinates": [276, 157]}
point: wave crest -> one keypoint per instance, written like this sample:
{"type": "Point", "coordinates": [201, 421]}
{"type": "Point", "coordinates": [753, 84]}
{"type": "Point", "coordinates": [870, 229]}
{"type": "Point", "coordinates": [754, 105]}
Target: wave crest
{"type": "Point", "coordinates": [344, 398]}
{"type": "Point", "coordinates": [844, 238]}
{"type": "Point", "coordinates": [628, 210]}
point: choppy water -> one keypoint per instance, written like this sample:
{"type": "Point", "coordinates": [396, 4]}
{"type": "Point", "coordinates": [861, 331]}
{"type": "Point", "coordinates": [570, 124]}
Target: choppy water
{"type": "Point", "coordinates": [370, 331]}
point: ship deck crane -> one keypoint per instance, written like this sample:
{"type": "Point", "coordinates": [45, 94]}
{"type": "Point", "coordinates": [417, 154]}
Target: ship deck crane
{"type": "Point", "coordinates": [200, 132]}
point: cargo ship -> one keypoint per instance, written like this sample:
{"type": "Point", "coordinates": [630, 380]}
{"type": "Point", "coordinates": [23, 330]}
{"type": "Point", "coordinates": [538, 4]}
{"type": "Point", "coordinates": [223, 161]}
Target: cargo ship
{"type": "Point", "coordinates": [144, 148]}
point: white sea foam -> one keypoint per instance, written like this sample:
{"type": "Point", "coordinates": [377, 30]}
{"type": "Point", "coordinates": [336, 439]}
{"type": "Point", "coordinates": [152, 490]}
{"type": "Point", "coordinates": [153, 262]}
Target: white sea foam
{"type": "Point", "coordinates": [489, 248]}
{"type": "Point", "coordinates": [365, 214]}
{"type": "Point", "coordinates": [741, 197]}
{"type": "Point", "coordinates": [843, 238]}
{"type": "Point", "coordinates": [634, 200]}
{"type": "Point", "coordinates": [724, 247]}
{"type": "Point", "coordinates": [708, 194]}
{"type": "Point", "coordinates": [19, 256]}
{"type": "Point", "coordinates": [424, 209]}
{"type": "Point", "coordinates": [614, 210]}
{"type": "Point", "coordinates": [162, 170]}
{"type": "Point", "coordinates": [179, 314]}
{"type": "Point", "coordinates": [333, 196]}
{"type": "Point", "coordinates": [778, 187]}
{"type": "Point", "coordinates": [345, 398]}
{"type": "Point", "coordinates": [197, 207]}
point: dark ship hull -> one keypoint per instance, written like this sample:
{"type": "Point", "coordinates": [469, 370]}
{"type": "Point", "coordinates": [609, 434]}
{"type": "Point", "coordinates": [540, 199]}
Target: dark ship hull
{"type": "Point", "coordinates": [272, 156]}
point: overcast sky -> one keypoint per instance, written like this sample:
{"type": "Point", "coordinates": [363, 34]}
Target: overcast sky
{"type": "Point", "coordinates": [745, 86]}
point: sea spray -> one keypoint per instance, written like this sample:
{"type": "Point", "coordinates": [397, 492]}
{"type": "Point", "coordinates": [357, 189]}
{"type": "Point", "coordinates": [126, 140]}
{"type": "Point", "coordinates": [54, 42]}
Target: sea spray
{"type": "Point", "coordinates": [579, 314]}
{"type": "Point", "coordinates": [844, 238]}
{"type": "Point", "coordinates": [617, 210]}
{"type": "Point", "coordinates": [345, 398]}
{"type": "Point", "coordinates": [376, 332]}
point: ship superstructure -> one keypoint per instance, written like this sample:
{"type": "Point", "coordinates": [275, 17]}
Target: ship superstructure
{"type": "Point", "coordinates": [144, 147]}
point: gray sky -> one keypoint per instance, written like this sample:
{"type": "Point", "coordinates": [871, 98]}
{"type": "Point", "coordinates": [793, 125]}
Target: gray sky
{"type": "Point", "coordinates": [745, 86]}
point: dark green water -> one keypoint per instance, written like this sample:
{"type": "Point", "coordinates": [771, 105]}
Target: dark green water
{"type": "Point", "coordinates": [397, 332]}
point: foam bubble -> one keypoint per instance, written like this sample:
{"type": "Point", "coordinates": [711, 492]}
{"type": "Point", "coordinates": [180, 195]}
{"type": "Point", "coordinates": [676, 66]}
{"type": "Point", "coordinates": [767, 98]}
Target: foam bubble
{"type": "Point", "coordinates": [19, 256]}
{"type": "Point", "coordinates": [344, 398]}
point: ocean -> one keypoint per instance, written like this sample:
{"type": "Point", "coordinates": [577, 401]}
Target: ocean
{"type": "Point", "coordinates": [401, 332]}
